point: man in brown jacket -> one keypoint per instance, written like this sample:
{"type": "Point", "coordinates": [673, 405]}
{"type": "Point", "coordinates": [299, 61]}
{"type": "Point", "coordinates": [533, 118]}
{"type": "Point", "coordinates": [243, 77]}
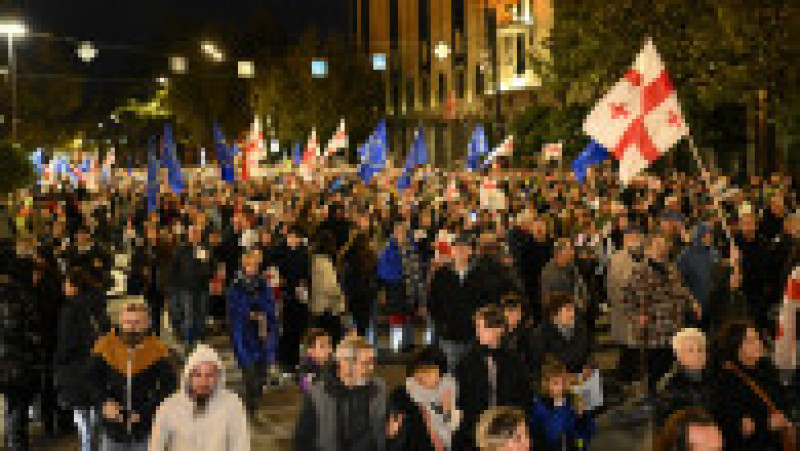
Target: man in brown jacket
{"type": "Point", "coordinates": [655, 304]}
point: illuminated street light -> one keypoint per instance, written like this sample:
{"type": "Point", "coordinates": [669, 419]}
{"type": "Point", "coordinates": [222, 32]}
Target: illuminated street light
{"type": "Point", "coordinates": [442, 50]}
{"type": "Point", "coordinates": [246, 69]}
{"type": "Point", "coordinates": [99, 125]}
{"type": "Point", "coordinates": [12, 27]}
{"type": "Point", "coordinates": [178, 64]}
{"type": "Point", "coordinates": [379, 61]}
{"type": "Point", "coordinates": [211, 51]}
{"type": "Point", "coordinates": [86, 52]}
{"type": "Point", "coordinates": [163, 81]}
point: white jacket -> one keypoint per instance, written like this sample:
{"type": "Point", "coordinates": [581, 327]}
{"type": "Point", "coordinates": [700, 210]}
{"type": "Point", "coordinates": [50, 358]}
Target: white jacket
{"type": "Point", "coordinates": [221, 427]}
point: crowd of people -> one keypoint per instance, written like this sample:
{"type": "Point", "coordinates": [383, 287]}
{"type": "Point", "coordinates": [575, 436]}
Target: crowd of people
{"type": "Point", "coordinates": [507, 272]}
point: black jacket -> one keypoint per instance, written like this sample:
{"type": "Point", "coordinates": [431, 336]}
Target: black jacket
{"type": "Point", "coordinates": [574, 352]}
{"type": "Point", "coordinates": [19, 335]}
{"type": "Point", "coordinates": [187, 271]}
{"type": "Point", "coordinates": [735, 401]}
{"type": "Point", "coordinates": [152, 379]}
{"type": "Point", "coordinates": [678, 390]}
{"type": "Point", "coordinates": [472, 374]}
{"type": "Point", "coordinates": [81, 322]}
{"type": "Point", "coordinates": [413, 434]}
{"type": "Point", "coordinates": [452, 302]}
{"type": "Point", "coordinates": [530, 256]}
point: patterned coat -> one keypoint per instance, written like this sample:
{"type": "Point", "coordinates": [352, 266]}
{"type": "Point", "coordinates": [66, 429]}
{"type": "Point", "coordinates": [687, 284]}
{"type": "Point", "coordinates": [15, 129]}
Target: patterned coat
{"type": "Point", "coordinates": [656, 291]}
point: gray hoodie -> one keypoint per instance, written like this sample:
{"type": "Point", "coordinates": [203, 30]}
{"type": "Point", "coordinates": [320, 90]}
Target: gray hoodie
{"type": "Point", "coordinates": [222, 426]}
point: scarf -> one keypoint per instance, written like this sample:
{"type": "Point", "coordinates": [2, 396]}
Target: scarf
{"type": "Point", "coordinates": [443, 424]}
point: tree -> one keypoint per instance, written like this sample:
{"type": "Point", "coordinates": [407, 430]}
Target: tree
{"type": "Point", "coordinates": [16, 168]}
{"type": "Point", "coordinates": [717, 52]}
{"type": "Point", "coordinates": [49, 92]}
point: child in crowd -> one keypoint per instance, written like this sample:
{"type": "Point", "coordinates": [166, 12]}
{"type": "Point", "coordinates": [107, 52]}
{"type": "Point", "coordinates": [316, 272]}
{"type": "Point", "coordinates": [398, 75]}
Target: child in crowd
{"type": "Point", "coordinates": [558, 421]}
{"type": "Point", "coordinates": [315, 362]}
{"type": "Point", "coordinates": [503, 429]}
{"type": "Point", "coordinates": [427, 405]}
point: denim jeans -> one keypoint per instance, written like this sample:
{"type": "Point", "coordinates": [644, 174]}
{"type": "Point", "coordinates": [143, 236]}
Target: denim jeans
{"type": "Point", "coordinates": [86, 421]}
{"type": "Point", "coordinates": [188, 312]}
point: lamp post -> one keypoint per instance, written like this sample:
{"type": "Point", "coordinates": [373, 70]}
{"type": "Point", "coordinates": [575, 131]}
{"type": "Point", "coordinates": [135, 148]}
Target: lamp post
{"type": "Point", "coordinates": [11, 28]}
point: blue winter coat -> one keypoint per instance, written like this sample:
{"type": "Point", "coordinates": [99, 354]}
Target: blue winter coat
{"type": "Point", "coordinates": [390, 263]}
{"type": "Point", "coordinates": [559, 425]}
{"type": "Point", "coordinates": [248, 347]}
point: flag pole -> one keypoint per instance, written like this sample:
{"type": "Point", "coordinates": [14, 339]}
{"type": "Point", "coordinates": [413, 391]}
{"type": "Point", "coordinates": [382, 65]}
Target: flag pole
{"type": "Point", "coordinates": [707, 179]}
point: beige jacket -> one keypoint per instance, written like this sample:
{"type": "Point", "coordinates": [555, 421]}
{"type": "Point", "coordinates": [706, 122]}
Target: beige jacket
{"type": "Point", "coordinates": [221, 427]}
{"type": "Point", "coordinates": [620, 268]}
{"type": "Point", "coordinates": [326, 293]}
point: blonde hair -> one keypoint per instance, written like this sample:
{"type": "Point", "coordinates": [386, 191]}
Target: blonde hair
{"type": "Point", "coordinates": [348, 348]}
{"type": "Point", "coordinates": [496, 426]}
{"type": "Point", "coordinates": [686, 334]}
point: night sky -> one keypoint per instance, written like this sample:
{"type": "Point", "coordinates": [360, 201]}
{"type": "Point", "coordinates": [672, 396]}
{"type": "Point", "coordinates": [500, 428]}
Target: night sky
{"type": "Point", "coordinates": [131, 35]}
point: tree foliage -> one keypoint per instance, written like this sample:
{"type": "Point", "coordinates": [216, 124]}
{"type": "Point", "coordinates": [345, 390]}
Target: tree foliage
{"type": "Point", "coordinates": [717, 51]}
{"type": "Point", "coordinates": [15, 166]}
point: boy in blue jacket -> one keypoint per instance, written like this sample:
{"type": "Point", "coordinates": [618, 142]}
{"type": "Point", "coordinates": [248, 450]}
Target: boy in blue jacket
{"type": "Point", "coordinates": [254, 327]}
{"type": "Point", "coordinates": [558, 422]}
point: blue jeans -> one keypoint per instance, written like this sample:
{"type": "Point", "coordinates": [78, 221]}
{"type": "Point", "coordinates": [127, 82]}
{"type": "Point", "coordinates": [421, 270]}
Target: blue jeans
{"type": "Point", "coordinates": [86, 421]}
{"type": "Point", "coordinates": [188, 312]}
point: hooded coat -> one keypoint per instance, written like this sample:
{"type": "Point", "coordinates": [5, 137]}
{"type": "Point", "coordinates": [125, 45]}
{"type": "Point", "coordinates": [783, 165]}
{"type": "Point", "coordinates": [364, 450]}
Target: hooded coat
{"type": "Point", "coordinates": [221, 426]}
{"type": "Point", "coordinates": [696, 265]}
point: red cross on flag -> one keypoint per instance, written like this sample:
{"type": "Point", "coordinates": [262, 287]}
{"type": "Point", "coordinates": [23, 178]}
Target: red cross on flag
{"type": "Point", "coordinates": [338, 140]}
{"type": "Point", "coordinates": [312, 149]}
{"type": "Point", "coordinates": [254, 150]}
{"type": "Point", "coordinates": [640, 118]}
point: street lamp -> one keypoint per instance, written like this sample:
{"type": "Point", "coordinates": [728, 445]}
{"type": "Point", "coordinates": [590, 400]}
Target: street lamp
{"type": "Point", "coordinates": [11, 28]}
{"type": "Point", "coordinates": [178, 64]}
{"type": "Point", "coordinates": [212, 51]}
{"type": "Point", "coordinates": [246, 69]}
{"type": "Point", "coordinates": [163, 81]}
{"type": "Point", "coordinates": [86, 52]}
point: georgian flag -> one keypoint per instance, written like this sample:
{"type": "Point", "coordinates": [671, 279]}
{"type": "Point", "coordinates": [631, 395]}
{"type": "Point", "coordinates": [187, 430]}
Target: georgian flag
{"type": "Point", "coordinates": [503, 150]}
{"type": "Point", "coordinates": [338, 140]}
{"type": "Point", "coordinates": [312, 149]}
{"type": "Point", "coordinates": [253, 150]}
{"type": "Point", "coordinates": [786, 339]}
{"type": "Point", "coordinates": [640, 118]}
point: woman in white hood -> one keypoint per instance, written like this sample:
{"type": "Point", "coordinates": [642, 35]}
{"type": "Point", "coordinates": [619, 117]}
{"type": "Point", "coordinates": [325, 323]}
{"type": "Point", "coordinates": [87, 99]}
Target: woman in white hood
{"type": "Point", "coordinates": [203, 415]}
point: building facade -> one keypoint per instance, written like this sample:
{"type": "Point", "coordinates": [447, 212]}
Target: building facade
{"type": "Point", "coordinates": [438, 59]}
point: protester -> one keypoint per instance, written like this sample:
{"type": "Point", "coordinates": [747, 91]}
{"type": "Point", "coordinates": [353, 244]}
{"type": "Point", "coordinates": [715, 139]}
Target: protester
{"type": "Point", "coordinates": [456, 293]}
{"type": "Point", "coordinates": [690, 382]}
{"type": "Point", "coordinates": [518, 338]}
{"type": "Point", "coordinates": [316, 362]}
{"type": "Point", "coordinates": [503, 429]}
{"type": "Point", "coordinates": [347, 411]}
{"type": "Point", "coordinates": [488, 375]}
{"type": "Point", "coordinates": [748, 393]}
{"type": "Point", "coordinates": [691, 429]}
{"type": "Point", "coordinates": [202, 415]}
{"type": "Point", "coordinates": [563, 336]}
{"type": "Point", "coordinates": [426, 402]}
{"type": "Point", "coordinates": [130, 376]}
{"type": "Point", "coordinates": [189, 278]}
{"type": "Point", "coordinates": [561, 275]}
{"type": "Point", "coordinates": [254, 328]}
{"type": "Point", "coordinates": [20, 335]}
{"type": "Point", "coordinates": [656, 305]}
{"type": "Point", "coordinates": [293, 264]}
{"type": "Point", "coordinates": [82, 320]}
{"type": "Point", "coordinates": [557, 421]}
{"type": "Point", "coordinates": [532, 250]}
{"type": "Point", "coordinates": [327, 303]}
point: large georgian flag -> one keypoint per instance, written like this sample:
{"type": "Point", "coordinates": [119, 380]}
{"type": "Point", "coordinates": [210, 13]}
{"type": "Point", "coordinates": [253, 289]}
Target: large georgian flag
{"type": "Point", "coordinates": [640, 118]}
